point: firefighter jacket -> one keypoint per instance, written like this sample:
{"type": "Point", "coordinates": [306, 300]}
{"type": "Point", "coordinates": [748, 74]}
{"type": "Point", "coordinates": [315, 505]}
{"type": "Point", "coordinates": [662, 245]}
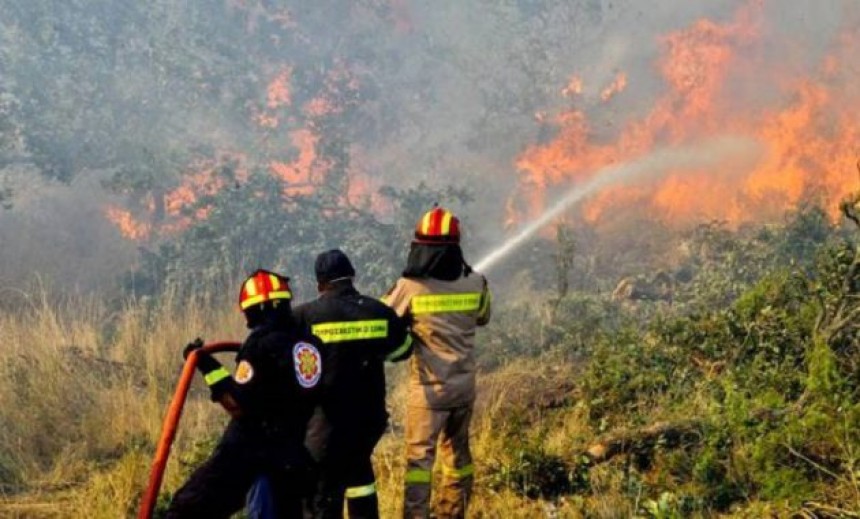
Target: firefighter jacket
{"type": "Point", "coordinates": [444, 315]}
{"type": "Point", "coordinates": [359, 333]}
{"type": "Point", "coordinates": [276, 385]}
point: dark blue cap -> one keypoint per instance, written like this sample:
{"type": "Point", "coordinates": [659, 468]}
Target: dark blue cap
{"type": "Point", "coordinates": [332, 265]}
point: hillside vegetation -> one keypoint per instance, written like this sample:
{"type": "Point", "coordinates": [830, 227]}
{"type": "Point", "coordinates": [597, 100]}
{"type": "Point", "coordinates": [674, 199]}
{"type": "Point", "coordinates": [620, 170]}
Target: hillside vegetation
{"type": "Point", "coordinates": [735, 393]}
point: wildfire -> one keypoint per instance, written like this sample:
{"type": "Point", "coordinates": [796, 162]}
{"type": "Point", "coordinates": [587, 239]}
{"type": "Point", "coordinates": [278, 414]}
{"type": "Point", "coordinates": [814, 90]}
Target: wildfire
{"type": "Point", "coordinates": [617, 86]}
{"type": "Point", "coordinates": [714, 75]}
{"type": "Point", "coordinates": [278, 93]}
{"type": "Point", "coordinates": [574, 87]}
{"type": "Point", "coordinates": [300, 175]}
{"type": "Point", "coordinates": [127, 224]}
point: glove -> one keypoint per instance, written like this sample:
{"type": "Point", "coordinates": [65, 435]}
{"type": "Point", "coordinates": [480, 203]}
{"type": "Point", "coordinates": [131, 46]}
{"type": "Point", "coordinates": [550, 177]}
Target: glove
{"type": "Point", "coordinates": [192, 346]}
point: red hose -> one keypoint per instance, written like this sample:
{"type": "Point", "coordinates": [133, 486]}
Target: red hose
{"type": "Point", "coordinates": [171, 422]}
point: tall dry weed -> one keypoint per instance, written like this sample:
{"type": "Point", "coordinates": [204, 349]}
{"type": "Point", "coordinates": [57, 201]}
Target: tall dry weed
{"type": "Point", "coordinates": [83, 388]}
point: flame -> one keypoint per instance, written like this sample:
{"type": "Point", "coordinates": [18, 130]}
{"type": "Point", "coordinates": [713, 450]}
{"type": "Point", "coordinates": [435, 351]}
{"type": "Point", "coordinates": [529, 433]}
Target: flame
{"type": "Point", "coordinates": [709, 70]}
{"type": "Point", "coordinates": [278, 92]}
{"type": "Point", "coordinates": [300, 176]}
{"type": "Point", "coordinates": [127, 224]}
{"type": "Point", "coordinates": [574, 87]}
{"type": "Point", "coordinates": [617, 86]}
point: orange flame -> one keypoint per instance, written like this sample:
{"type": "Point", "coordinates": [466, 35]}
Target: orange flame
{"type": "Point", "coordinates": [617, 86]}
{"type": "Point", "coordinates": [278, 93]}
{"type": "Point", "coordinates": [574, 87]}
{"type": "Point", "coordinates": [127, 224]}
{"type": "Point", "coordinates": [809, 134]}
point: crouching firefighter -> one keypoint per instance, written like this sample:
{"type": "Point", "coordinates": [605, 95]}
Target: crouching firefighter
{"type": "Point", "coordinates": [270, 397]}
{"type": "Point", "coordinates": [446, 301]}
{"type": "Point", "coordinates": [359, 333]}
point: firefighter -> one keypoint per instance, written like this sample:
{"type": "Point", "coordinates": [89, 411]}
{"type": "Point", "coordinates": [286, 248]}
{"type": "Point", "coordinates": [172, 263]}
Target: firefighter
{"type": "Point", "coordinates": [270, 398]}
{"type": "Point", "coordinates": [445, 301]}
{"type": "Point", "coordinates": [359, 333]}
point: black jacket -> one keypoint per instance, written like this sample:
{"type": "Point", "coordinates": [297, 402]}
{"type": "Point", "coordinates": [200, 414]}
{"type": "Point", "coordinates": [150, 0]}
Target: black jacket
{"type": "Point", "coordinates": [359, 334]}
{"type": "Point", "coordinates": [277, 385]}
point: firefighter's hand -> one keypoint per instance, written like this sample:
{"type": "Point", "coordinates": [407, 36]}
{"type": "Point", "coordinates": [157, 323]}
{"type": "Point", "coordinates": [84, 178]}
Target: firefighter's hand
{"type": "Point", "coordinates": [192, 346]}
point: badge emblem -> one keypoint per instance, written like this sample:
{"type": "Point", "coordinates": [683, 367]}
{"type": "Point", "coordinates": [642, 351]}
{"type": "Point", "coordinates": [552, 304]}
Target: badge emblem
{"type": "Point", "coordinates": [308, 363]}
{"type": "Point", "coordinates": [244, 372]}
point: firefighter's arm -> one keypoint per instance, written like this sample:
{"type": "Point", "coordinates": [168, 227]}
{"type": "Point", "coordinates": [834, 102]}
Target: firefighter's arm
{"type": "Point", "coordinates": [485, 309]}
{"type": "Point", "coordinates": [218, 380]}
{"type": "Point", "coordinates": [397, 299]}
{"type": "Point", "coordinates": [399, 341]}
{"type": "Point", "coordinates": [232, 392]}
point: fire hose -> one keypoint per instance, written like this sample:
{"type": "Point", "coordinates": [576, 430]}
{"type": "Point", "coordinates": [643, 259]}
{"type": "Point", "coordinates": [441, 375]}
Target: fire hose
{"type": "Point", "coordinates": [171, 422]}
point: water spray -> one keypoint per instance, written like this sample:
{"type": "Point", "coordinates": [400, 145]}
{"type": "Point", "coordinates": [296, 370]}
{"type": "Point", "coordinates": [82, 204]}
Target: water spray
{"type": "Point", "coordinates": [694, 157]}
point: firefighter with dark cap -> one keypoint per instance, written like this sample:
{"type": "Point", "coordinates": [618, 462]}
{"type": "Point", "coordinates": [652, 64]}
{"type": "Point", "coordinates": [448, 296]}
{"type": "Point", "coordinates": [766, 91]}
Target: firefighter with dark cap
{"type": "Point", "coordinates": [359, 333]}
{"type": "Point", "coordinates": [445, 301]}
{"type": "Point", "coordinates": [270, 398]}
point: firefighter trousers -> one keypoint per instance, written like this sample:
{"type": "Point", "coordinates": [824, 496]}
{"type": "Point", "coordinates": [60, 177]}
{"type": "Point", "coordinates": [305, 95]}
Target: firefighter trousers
{"type": "Point", "coordinates": [218, 488]}
{"type": "Point", "coordinates": [449, 428]}
{"type": "Point", "coordinates": [346, 471]}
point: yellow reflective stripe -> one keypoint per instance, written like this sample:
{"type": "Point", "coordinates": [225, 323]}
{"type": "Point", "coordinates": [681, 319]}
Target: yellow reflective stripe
{"type": "Point", "coordinates": [251, 287]}
{"type": "Point", "coordinates": [402, 349]}
{"type": "Point", "coordinates": [362, 491]}
{"type": "Point", "coordinates": [488, 296]}
{"type": "Point", "coordinates": [251, 301]}
{"type": "Point", "coordinates": [446, 223]}
{"type": "Point", "coordinates": [215, 376]}
{"type": "Point", "coordinates": [425, 223]}
{"type": "Point", "coordinates": [351, 330]}
{"type": "Point", "coordinates": [283, 294]}
{"type": "Point", "coordinates": [442, 303]}
{"type": "Point", "coordinates": [463, 472]}
{"type": "Point", "coordinates": [417, 476]}
{"type": "Point", "coordinates": [274, 281]}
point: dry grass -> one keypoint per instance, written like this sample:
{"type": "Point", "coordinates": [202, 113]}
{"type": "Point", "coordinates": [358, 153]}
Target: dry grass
{"type": "Point", "coordinates": [83, 389]}
{"type": "Point", "coordinates": [82, 394]}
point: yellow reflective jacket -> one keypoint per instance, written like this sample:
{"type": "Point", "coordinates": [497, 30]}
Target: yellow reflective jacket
{"type": "Point", "coordinates": [444, 316]}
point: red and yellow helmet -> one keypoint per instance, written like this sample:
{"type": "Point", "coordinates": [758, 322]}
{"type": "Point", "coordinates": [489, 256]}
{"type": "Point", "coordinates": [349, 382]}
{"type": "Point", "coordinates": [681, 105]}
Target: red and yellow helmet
{"type": "Point", "coordinates": [263, 286]}
{"type": "Point", "coordinates": [438, 226]}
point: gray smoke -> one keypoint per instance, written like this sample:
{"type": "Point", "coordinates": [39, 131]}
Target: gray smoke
{"type": "Point", "coordinates": [132, 95]}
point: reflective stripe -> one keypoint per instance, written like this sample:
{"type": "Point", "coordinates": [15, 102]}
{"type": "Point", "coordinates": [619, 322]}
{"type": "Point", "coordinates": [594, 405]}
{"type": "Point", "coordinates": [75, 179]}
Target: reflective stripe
{"type": "Point", "coordinates": [351, 330]}
{"type": "Point", "coordinates": [443, 303]}
{"type": "Point", "coordinates": [251, 287]}
{"type": "Point", "coordinates": [274, 281]}
{"type": "Point", "coordinates": [282, 294]}
{"type": "Point", "coordinates": [402, 349]}
{"type": "Point", "coordinates": [425, 223]}
{"type": "Point", "coordinates": [362, 491]}
{"type": "Point", "coordinates": [251, 301]}
{"type": "Point", "coordinates": [446, 223]}
{"type": "Point", "coordinates": [463, 472]}
{"type": "Point", "coordinates": [417, 476]}
{"type": "Point", "coordinates": [485, 303]}
{"type": "Point", "coordinates": [215, 376]}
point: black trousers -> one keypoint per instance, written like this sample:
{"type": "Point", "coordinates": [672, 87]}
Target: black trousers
{"type": "Point", "coordinates": [346, 471]}
{"type": "Point", "coordinates": [217, 489]}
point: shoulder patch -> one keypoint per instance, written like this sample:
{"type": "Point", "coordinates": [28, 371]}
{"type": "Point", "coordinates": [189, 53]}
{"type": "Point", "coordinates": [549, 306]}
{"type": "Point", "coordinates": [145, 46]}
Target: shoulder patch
{"type": "Point", "coordinates": [244, 372]}
{"type": "Point", "coordinates": [308, 363]}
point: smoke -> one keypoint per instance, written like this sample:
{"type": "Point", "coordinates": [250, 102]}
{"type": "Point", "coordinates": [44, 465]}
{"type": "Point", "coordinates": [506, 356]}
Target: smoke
{"type": "Point", "coordinates": [471, 94]}
{"type": "Point", "coordinates": [55, 239]}
{"type": "Point", "coordinates": [704, 156]}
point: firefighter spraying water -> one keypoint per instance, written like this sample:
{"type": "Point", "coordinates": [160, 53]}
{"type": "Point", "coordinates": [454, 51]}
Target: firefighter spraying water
{"type": "Point", "coordinates": [704, 155]}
